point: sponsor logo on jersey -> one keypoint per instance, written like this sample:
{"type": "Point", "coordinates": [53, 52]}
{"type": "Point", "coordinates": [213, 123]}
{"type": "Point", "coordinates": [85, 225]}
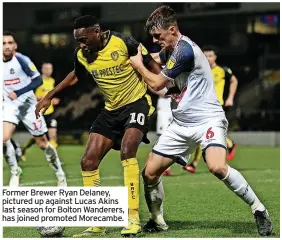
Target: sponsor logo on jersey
{"type": "Point", "coordinates": [115, 55]}
{"type": "Point", "coordinates": [110, 71]}
{"type": "Point", "coordinates": [12, 71]}
{"type": "Point", "coordinates": [12, 81]}
{"type": "Point", "coordinates": [170, 63]}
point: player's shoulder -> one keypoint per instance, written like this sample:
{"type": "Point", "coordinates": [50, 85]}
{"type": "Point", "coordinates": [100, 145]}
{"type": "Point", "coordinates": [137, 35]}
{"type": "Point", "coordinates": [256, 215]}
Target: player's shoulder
{"type": "Point", "coordinates": [77, 50]}
{"type": "Point", "coordinates": [127, 39]}
{"type": "Point", "coordinates": [26, 63]}
{"type": "Point", "coordinates": [185, 48]}
{"type": "Point", "coordinates": [227, 69]}
{"type": "Point", "coordinates": [21, 57]}
{"type": "Point", "coordinates": [122, 36]}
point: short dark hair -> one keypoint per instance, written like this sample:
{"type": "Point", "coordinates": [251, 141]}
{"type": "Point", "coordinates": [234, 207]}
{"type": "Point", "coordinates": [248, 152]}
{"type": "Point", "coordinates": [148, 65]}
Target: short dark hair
{"type": "Point", "coordinates": [8, 33]}
{"type": "Point", "coordinates": [162, 17]}
{"type": "Point", "coordinates": [207, 48]}
{"type": "Point", "coordinates": [85, 21]}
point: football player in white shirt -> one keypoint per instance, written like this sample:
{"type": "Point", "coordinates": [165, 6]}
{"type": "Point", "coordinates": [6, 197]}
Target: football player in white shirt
{"type": "Point", "coordinates": [20, 78]}
{"type": "Point", "coordinates": [198, 118]}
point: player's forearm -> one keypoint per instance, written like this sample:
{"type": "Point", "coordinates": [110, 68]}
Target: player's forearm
{"type": "Point", "coordinates": [160, 93]}
{"type": "Point", "coordinates": [154, 67]}
{"type": "Point", "coordinates": [36, 82]}
{"type": "Point", "coordinates": [151, 79]}
{"type": "Point", "coordinates": [233, 87]}
{"type": "Point", "coordinates": [62, 85]}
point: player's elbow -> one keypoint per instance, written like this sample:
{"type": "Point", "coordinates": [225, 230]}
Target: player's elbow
{"type": "Point", "coordinates": [157, 86]}
{"type": "Point", "coordinates": [38, 81]}
{"type": "Point", "coordinates": [234, 80]}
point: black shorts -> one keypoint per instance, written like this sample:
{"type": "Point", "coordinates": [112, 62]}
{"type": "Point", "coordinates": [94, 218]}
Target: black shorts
{"type": "Point", "coordinates": [113, 124]}
{"type": "Point", "coordinates": [51, 122]}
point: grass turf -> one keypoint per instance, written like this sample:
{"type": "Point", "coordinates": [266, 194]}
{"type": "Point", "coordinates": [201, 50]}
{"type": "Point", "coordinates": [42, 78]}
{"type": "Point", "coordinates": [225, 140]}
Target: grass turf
{"type": "Point", "coordinates": [196, 205]}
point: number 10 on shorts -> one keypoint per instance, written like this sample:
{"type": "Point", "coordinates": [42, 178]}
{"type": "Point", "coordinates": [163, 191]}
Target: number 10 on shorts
{"type": "Point", "coordinates": [140, 119]}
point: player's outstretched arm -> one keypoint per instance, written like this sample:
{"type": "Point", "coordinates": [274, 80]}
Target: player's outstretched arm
{"type": "Point", "coordinates": [45, 102]}
{"type": "Point", "coordinates": [155, 81]}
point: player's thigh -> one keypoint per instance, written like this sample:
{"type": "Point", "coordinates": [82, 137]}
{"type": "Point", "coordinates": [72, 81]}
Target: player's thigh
{"type": "Point", "coordinates": [96, 148]}
{"type": "Point", "coordinates": [130, 143]}
{"type": "Point", "coordinates": [213, 143]}
{"type": "Point", "coordinates": [36, 127]}
{"type": "Point", "coordinates": [155, 166]}
{"type": "Point", "coordinates": [8, 130]}
{"type": "Point", "coordinates": [216, 161]}
{"type": "Point", "coordinates": [10, 119]}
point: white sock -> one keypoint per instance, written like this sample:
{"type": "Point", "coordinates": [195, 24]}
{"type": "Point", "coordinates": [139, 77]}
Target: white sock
{"type": "Point", "coordinates": [238, 184]}
{"type": "Point", "coordinates": [10, 156]}
{"type": "Point", "coordinates": [53, 159]}
{"type": "Point", "coordinates": [154, 195]}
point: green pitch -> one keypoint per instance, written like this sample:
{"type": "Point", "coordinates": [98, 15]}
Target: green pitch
{"type": "Point", "coordinates": [196, 205]}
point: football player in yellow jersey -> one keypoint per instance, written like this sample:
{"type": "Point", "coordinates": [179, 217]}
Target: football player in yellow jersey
{"type": "Point", "coordinates": [123, 124]}
{"type": "Point", "coordinates": [221, 76]}
{"type": "Point", "coordinates": [40, 92]}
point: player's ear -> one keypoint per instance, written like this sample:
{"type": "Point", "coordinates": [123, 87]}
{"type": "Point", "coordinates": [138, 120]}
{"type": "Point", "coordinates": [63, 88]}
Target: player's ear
{"type": "Point", "coordinates": [172, 29]}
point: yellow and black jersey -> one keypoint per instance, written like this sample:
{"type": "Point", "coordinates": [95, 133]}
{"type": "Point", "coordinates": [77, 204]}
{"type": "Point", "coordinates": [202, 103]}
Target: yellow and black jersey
{"type": "Point", "coordinates": [220, 76]}
{"type": "Point", "coordinates": [47, 85]}
{"type": "Point", "coordinates": [111, 70]}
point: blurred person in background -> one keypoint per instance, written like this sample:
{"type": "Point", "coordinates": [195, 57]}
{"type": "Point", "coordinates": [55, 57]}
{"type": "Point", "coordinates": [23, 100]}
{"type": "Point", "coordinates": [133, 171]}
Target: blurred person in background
{"type": "Point", "coordinates": [222, 75]}
{"type": "Point", "coordinates": [40, 92]}
{"type": "Point", "coordinates": [20, 78]}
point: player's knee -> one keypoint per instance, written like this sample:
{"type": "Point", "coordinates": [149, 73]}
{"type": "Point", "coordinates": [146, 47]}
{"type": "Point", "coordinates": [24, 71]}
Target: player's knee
{"type": "Point", "coordinates": [219, 171]}
{"type": "Point", "coordinates": [41, 142]}
{"type": "Point", "coordinates": [6, 138]}
{"type": "Point", "coordinates": [149, 177]}
{"type": "Point", "coordinates": [128, 151]}
{"type": "Point", "coordinates": [89, 162]}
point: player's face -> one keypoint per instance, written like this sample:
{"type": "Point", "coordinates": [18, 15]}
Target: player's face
{"type": "Point", "coordinates": [9, 46]}
{"type": "Point", "coordinates": [88, 38]}
{"type": "Point", "coordinates": [211, 57]}
{"type": "Point", "coordinates": [164, 37]}
{"type": "Point", "coordinates": [47, 69]}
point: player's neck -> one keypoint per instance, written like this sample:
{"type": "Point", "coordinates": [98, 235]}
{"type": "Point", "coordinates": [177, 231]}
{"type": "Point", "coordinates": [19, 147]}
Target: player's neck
{"type": "Point", "coordinates": [213, 65]}
{"type": "Point", "coordinates": [176, 40]}
{"type": "Point", "coordinates": [44, 76]}
{"type": "Point", "coordinates": [104, 39]}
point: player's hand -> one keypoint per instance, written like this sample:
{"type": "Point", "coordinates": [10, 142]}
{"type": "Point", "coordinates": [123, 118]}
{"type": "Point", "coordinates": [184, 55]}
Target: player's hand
{"type": "Point", "coordinates": [137, 61]}
{"type": "Point", "coordinates": [56, 101]}
{"type": "Point", "coordinates": [228, 102]}
{"type": "Point", "coordinates": [12, 95]}
{"type": "Point", "coordinates": [43, 105]}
